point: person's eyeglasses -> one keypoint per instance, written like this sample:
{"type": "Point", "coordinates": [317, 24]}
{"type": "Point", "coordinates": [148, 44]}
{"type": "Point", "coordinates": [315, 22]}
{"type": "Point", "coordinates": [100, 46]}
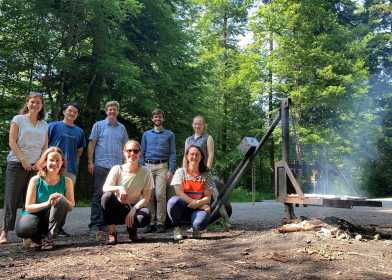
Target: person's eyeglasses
{"type": "Point", "coordinates": [135, 151]}
{"type": "Point", "coordinates": [35, 94]}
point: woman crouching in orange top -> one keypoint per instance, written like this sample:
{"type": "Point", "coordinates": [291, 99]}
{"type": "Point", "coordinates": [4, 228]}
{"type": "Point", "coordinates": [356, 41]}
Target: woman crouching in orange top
{"type": "Point", "coordinates": [193, 194]}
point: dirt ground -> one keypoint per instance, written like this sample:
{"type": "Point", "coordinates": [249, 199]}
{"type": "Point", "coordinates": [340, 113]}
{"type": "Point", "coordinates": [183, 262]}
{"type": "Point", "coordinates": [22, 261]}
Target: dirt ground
{"type": "Point", "coordinates": [248, 251]}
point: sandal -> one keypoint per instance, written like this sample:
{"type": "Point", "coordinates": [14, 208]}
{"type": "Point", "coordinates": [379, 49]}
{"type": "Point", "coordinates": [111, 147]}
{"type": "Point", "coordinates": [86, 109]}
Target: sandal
{"type": "Point", "coordinates": [32, 244]}
{"type": "Point", "coordinates": [47, 244]}
{"type": "Point", "coordinates": [112, 238]}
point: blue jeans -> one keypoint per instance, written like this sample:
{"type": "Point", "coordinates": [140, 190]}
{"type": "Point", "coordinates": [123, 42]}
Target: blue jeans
{"type": "Point", "coordinates": [180, 214]}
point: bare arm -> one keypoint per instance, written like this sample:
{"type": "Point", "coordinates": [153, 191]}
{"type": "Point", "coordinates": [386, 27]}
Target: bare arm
{"type": "Point", "coordinates": [180, 193]}
{"type": "Point", "coordinates": [210, 149]}
{"type": "Point", "coordinates": [90, 150]}
{"type": "Point", "coordinates": [108, 188]}
{"type": "Point", "coordinates": [90, 153]}
{"type": "Point", "coordinates": [79, 153]}
{"type": "Point", "coordinates": [30, 204]}
{"type": "Point", "coordinates": [13, 136]}
{"type": "Point", "coordinates": [206, 199]}
{"type": "Point", "coordinates": [146, 195]}
{"type": "Point", "coordinates": [69, 194]}
{"type": "Point", "coordinates": [184, 158]}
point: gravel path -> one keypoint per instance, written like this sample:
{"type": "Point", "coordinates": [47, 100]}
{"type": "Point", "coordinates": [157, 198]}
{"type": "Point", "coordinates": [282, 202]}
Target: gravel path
{"type": "Point", "coordinates": [266, 214]}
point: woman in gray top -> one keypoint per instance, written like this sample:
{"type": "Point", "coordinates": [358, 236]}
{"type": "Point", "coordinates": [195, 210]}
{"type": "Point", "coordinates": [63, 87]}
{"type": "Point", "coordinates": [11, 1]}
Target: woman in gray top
{"type": "Point", "coordinates": [28, 138]}
{"type": "Point", "coordinates": [202, 139]}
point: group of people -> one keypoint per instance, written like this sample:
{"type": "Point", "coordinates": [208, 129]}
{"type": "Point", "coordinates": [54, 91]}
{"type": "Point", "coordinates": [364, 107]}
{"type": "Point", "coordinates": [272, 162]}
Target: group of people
{"type": "Point", "coordinates": [129, 178]}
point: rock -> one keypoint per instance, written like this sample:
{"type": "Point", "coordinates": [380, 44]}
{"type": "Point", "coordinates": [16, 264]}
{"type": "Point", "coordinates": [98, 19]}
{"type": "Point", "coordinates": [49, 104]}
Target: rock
{"type": "Point", "coordinates": [341, 236]}
{"type": "Point", "coordinates": [358, 237]}
{"type": "Point", "coordinates": [377, 236]}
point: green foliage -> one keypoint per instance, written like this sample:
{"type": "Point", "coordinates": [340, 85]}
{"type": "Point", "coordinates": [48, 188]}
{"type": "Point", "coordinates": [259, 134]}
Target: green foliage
{"type": "Point", "coordinates": [333, 58]}
{"type": "Point", "coordinates": [242, 194]}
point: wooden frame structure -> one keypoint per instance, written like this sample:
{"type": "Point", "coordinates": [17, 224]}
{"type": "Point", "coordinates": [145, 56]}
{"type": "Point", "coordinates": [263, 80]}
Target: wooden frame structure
{"type": "Point", "coordinates": [288, 189]}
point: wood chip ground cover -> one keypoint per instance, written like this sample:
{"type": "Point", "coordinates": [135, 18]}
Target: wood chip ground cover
{"type": "Point", "coordinates": [237, 254]}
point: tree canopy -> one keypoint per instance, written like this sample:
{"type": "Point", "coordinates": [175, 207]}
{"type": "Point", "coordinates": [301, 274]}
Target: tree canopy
{"type": "Point", "coordinates": [333, 58]}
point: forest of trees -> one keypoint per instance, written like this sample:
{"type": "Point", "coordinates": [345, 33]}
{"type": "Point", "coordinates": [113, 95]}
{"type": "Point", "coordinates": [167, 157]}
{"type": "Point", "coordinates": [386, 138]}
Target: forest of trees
{"type": "Point", "coordinates": [333, 58]}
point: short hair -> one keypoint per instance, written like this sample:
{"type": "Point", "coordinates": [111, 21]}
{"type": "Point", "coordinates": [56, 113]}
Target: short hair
{"type": "Point", "coordinates": [44, 157]}
{"type": "Point", "coordinates": [111, 104]}
{"type": "Point", "coordinates": [199, 116]}
{"type": "Point", "coordinates": [133, 141]}
{"type": "Point", "coordinates": [157, 111]}
{"type": "Point", "coordinates": [73, 104]}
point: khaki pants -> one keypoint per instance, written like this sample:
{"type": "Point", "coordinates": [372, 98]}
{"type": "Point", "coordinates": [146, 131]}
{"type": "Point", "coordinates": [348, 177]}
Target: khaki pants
{"type": "Point", "coordinates": [157, 203]}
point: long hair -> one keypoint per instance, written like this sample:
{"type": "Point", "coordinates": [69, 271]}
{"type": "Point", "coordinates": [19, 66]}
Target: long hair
{"type": "Point", "coordinates": [41, 163]}
{"type": "Point", "coordinates": [202, 166]}
{"type": "Point", "coordinates": [25, 109]}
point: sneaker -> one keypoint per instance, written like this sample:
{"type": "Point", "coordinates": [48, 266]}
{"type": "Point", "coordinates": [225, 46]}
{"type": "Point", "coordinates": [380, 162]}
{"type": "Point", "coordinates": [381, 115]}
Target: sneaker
{"type": "Point", "coordinates": [160, 228]}
{"type": "Point", "coordinates": [177, 234]}
{"type": "Point", "coordinates": [63, 233]}
{"type": "Point", "coordinates": [150, 228]}
{"type": "Point", "coordinates": [191, 232]}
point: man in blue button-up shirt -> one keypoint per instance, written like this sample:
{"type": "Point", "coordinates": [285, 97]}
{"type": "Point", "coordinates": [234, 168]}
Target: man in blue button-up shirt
{"type": "Point", "coordinates": [159, 155]}
{"type": "Point", "coordinates": [107, 140]}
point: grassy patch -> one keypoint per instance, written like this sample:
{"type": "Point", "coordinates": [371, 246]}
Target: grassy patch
{"type": "Point", "coordinates": [243, 195]}
{"type": "Point", "coordinates": [83, 203]}
{"type": "Point", "coordinates": [218, 226]}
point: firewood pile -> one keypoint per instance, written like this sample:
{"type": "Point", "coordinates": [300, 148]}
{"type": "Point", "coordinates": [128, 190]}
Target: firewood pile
{"type": "Point", "coordinates": [333, 227]}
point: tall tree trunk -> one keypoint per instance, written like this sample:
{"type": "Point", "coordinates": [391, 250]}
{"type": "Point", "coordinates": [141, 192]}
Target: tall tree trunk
{"type": "Point", "coordinates": [95, 91]}
{"type": "Point", "coordinates": [31, 75]}
{"type": "Point", "coordinates": [225, 93]}
{"type": "Point", "coordinates": [270, 109]}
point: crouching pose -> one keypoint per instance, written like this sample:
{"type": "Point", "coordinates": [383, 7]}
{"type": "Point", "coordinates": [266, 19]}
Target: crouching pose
{"type": "Point", "coordinates": [193, 194]}
{"type": "Point", "coordinates": [127, 191]}
{"type": "Point", "coordinates": [49, 197]}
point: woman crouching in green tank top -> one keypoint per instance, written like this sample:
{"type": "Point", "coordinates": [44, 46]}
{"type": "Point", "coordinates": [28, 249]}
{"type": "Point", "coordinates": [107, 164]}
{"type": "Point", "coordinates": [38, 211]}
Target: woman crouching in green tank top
{"type": "Point", "coordinates": [49, 197]}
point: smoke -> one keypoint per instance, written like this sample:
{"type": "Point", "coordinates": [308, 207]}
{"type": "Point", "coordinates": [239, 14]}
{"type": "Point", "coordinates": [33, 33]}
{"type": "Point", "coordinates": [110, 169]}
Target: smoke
{"type": "Point", "coordinates": [342, 165]}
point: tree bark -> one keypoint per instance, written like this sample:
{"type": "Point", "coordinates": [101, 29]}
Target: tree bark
{"type": "Point", "coordinates": [270, 117]}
